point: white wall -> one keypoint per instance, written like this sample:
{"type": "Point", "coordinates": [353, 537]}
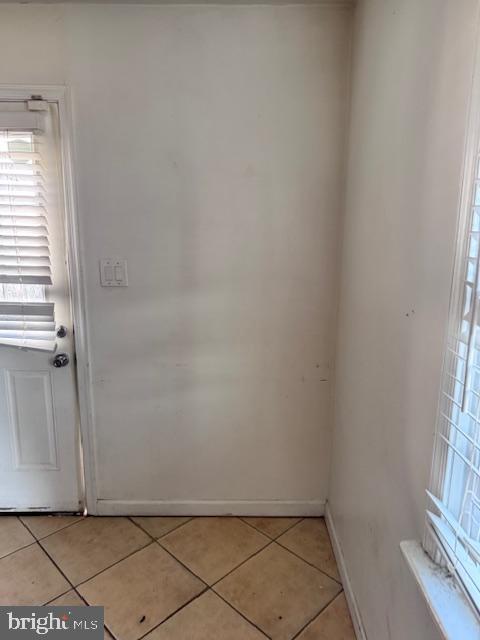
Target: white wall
{"type": "Point", "coordinates": [208, 154]}
{"type": "Point", "coordinates": [411, 81]}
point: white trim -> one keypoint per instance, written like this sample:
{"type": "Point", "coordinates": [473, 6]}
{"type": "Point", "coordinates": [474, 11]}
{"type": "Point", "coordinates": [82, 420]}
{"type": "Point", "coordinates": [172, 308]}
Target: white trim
{"type": "Point", "coordinates": [448, 605]}
{"type": "Point", "coordinates": [342, 568]}
{"type": "Point", "coordinates": [54, 507]}
{"type": "Point", "coordinates": [79, 308]}
{"type": "Point", "coordinates": [266, 508]}
{"type": "Point", "coordinates": [61, 95]}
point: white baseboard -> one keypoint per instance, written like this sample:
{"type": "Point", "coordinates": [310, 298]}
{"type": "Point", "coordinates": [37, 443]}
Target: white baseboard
{"type": "Point", "coordinates": [347, 586]}
{"type": "Point", "coordinates": [270, 508]}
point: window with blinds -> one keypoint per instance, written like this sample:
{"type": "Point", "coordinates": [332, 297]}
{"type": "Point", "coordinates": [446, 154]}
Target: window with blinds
{"type": "Point", "coordinates": [26, 318]}
{"type": "Point", "coordinates": [453, 514]}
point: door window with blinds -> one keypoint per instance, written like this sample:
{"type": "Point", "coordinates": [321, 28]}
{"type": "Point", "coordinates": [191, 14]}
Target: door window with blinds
{"type": "Point", "coordinates": [453, 514]}
{"type": "Point", "coordinates": [29, 189]}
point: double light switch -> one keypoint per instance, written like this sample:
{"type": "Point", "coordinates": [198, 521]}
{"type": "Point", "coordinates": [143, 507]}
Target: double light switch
{"type": "Point", "coordinates": [113, 273]}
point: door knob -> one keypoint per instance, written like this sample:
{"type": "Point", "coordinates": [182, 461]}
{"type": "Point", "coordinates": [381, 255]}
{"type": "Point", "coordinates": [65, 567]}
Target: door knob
{"type": "Point", "coordinates": [61, 331]}
{"type": "Point", "coordinates": [61, 360]}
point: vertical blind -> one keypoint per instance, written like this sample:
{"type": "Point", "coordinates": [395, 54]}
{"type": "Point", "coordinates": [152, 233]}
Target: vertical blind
{"type": "Point", "coordinates": [453, 515]}
{"type": "Point", "coordinates": [26, 319]}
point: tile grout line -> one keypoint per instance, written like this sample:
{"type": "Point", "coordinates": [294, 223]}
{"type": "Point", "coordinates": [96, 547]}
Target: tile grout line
{"type": "Point", "coordinates": [170, 615]}
{"type": "Point", "coordinates": [52, 532]}
{"type": "Point", "coordinates": [316, 615]}
{"type": "Point", "coordinates": [51, 559]}
{"type": "Point", "coordinates": [31, 544]}
{"type": "Point", "coordinates": [157, 541]}
{"type": "Point", "coordinates": [141, 528]}
{"type": "Point", "coordinates": [309, 563]}
{"type": "Point", "coordinates": [95, 575]}
{"type": "Point", "coordinates": [56, 565]}
{"type": "Point", "coordinates": [164, 534]}
{"type": "Point", "coordinates": [88, 605]}
{"type": "Point", "coordinates": [49, 603]}
{"type": "Point", "coordinates": [240, 613]}
{"type": "Point", "coordinates": [266, 534]}
{"type": "Point", "coordinates": [181, 563]}
{"type": "Point", "coordinates": [75, 586]}
{"type": "Point", "coordinates": [270, 542]}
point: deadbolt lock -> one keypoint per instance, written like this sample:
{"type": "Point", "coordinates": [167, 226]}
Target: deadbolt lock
{"type": "Point", "coordinates": [61, 331]}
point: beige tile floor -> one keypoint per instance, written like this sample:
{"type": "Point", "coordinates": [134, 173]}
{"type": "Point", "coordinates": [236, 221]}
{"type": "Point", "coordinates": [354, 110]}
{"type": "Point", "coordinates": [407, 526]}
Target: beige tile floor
{"type": "Point", "coordinates": [180, 578]}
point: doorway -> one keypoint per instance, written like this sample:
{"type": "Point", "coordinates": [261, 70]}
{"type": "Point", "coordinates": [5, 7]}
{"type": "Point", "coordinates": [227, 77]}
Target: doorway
{"type": "Point", "coordinates": [40, 458]}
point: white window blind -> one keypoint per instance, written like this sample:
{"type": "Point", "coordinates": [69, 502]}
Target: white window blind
{"type": "Point", "coordinates": [453, 515]}
{"type": "Point", "coordinates": [26, 319]}
{"type": "Point", "coordinates": [24, 250]}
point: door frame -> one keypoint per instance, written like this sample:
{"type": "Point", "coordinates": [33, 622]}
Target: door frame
{"type": "Point", "coordinates": [75, 275]}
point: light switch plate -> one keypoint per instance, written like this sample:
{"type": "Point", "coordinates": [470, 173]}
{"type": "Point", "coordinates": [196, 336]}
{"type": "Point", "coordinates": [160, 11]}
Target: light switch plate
{"type": "Point", "coordinates": [113, 273]}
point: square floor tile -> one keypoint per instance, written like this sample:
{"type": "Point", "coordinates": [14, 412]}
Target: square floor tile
{"type": "Point", "coordinates": [29, 577]}
{"type": "Point", "coordinates": [42, 526]}
{"type": "Point", "coordinates": [13, 535]}
{"type": "Point", "coordinates": [72, 599]}
{"type": "Point", "coordinates": [159, 526]}
{"type": "Point", "coordinates": [92, 545]}
{"type": "Point", "coordinates": [206, 618]}
{"type": "Point", "coordinates": [310, 540]}
{"type": "Point", "coordinates": [141, 591]}
{"type": "Point", "coordinates": [272, 527]}
{"type": "Point", "coordinates": [278, 592]}
{"type": "Point", "coordinates": [211, 547]}
{"type": "Point", "coordinates": [334, 623]}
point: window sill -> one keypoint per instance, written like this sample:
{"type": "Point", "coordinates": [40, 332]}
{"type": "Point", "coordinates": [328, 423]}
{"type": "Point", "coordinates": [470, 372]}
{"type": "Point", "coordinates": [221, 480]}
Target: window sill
{"type": "Point", "coordinates": [449, 607]}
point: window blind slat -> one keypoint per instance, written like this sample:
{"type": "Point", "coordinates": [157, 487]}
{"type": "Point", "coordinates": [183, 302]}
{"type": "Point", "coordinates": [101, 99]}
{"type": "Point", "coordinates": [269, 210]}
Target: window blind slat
{"type": "Point", "coordinates": [26, 186]}
{"type": "Point", "coordinates": [13, 309]}
{"type": "Point", "coordinates": [28, 343]}
{"type": "Point", "coordinates": [22, 179]}
{"type": "Point", "coordinates": [24, 324]}
{"type": "Point", "coordinates": [22, 230]}
{"type": "Point", "coordinates": [16, 194]}
{"type": "Point", "coordinates": [26, 251]}
{"type": "Point", "coordinates": [27, 261]}
{"type": "Point", "coordinates": [22, 221]}
{"type": "Point", "coordinates": [25, 270]}
{"type": "Point", "coordinates": [32, 245]}
{"type": "Point", "coordinates": [34, 333]}
{"type": "Point", "coordinates": [13, 157]}
{"type": "Point", "coordinates": [23, 241]}
{"type": "Point", "coordinates": [22, 210]}
{"type": "Point", "coordinates": [25, 279]}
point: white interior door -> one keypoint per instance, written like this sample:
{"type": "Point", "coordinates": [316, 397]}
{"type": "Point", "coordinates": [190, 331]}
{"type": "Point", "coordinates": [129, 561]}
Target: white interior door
{"type": "Point", "coordinates": [39, 438]}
